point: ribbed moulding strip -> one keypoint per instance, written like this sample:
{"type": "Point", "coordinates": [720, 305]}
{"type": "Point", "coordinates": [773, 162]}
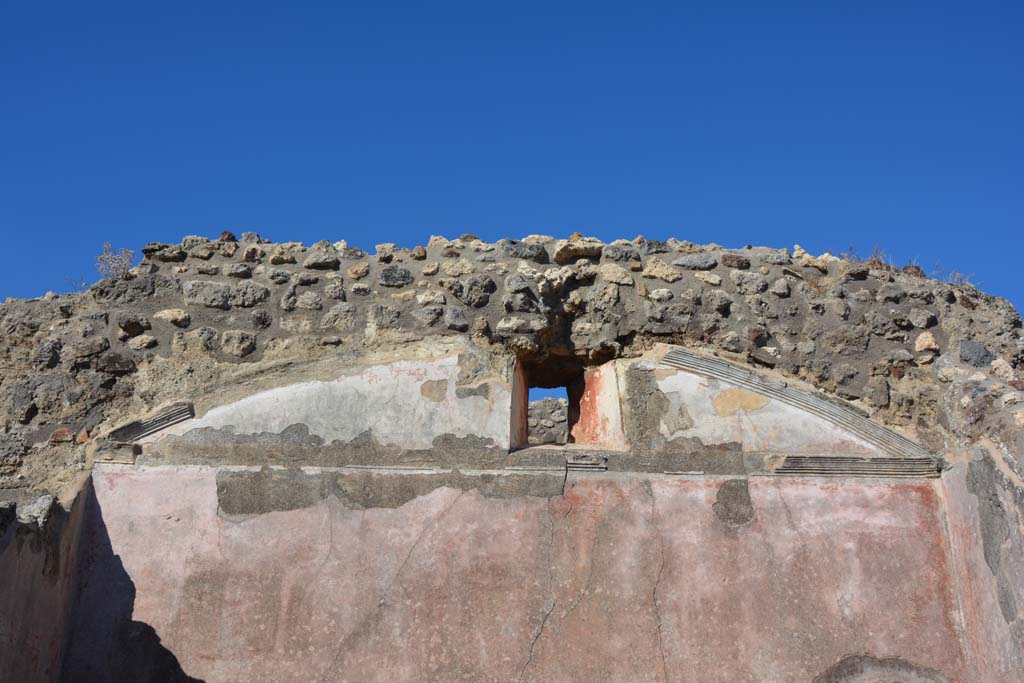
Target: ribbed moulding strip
{"type": "Point", "coordinates": [140, 429]}
{"type": "Point", "coordinates": [826, 466]}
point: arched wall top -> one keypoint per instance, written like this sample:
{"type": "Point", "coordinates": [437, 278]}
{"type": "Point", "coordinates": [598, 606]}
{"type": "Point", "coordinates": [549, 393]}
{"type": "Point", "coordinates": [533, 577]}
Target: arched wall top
{"type": "Point", "coordinates": [832, 411]}
{"type": "Point", "coordinates": [937, 361]}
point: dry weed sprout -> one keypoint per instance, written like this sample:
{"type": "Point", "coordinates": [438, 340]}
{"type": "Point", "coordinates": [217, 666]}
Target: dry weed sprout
{"type": "Point", "coordinates": [115, 263]}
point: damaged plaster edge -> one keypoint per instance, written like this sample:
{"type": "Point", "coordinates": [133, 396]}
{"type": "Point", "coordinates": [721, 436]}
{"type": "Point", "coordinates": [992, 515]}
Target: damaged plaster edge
{"type": "Point", "coordinates": [864, 668]}
{"type": "Point", "coordinates": [443, 352]}
{"type": "Point", "coordinates": [839, 468]}
{"type": "Point", "coordinates": [310, 404]}
{"type": "Point", "coordinates": [1001, 459]}
{"type": "Point", "coordinates": [698, 475]}
{"type": "Point", "coordinates": [331, 368]}
{"type": "Point", "coordinates": [266, 375]}
{"type": "Point", "coordinates": [611, 475]}
{"type": "Point", "coordinates": [956, 561]}
{"type": "Point", "coordinates": [128, 468]}
{"type": "Point", "coordinates": [314, 469]}
{"type": "Point", "coordinates": [244, 494]}
{"type": "Point", "coordinates": [840, 413]}
{"type": "Point", "coordinates": [398, 470]}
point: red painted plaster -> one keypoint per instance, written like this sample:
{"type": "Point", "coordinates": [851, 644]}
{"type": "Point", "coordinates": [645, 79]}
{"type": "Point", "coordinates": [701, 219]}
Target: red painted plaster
{"type": "Point", "coordinates": [615, 580]}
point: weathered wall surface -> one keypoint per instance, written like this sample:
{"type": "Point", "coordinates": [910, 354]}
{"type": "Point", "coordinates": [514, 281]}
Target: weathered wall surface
{"type": "Point", "coordinates": [351, 471]}
{"type": "Point", "coordinates": [38, 558]}
{"type": "Point", "coordinates": [615, 580]}
{"type": "Point", "coordinates": [390, 409]}
{"type": "Point", "coordinates": [440, 403]}
{"type": "Point", "coordinates": [673, 410]}
{"type": "Point", "coordinates": [205, 317]}
{"type": "Point", "coordinates": [985, 526]}
{"type": "Point", "coordinates": [600, 409]}
{"type": "Point", "coordinates": [407, 404]}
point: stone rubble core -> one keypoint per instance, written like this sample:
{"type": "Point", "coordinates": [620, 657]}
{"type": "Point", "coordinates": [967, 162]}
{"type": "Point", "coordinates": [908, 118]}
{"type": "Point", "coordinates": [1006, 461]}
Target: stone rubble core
{"type": "Point", "coordinates": [257, 461]}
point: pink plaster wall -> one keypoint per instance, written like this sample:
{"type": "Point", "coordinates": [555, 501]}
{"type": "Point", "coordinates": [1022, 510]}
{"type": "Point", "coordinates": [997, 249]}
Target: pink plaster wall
{"type": "Point", "coordinates": [615, 580]}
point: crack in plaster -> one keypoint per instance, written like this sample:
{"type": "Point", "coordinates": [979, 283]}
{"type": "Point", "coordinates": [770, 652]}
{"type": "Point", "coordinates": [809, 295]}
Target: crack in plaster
{"type": "Point", "coordinates": [327, 556]}
{"type": "Point", "coordinates": [785, 506]}
{"type": "Point", "coordinates": [423, 532]}
{"type": "Point", "coordinates": [657, 580]}
{"type": "Point", "coordinates": [429, 526]}
{"type": "Point", "coordinates": [954, 562]}
{"type": "Point", "coordinates": [551, 589]}
{"type": "Point", "coordinates": [593, 548]}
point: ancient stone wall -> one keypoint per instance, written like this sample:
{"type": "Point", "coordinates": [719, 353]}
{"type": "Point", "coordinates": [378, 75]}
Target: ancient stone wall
{"type": "Point", "coordinates": [549, 421]}
{"type": "Point", "coordinates": [930, 358]}
{"type": "Point", "coordinates": [277, 382]}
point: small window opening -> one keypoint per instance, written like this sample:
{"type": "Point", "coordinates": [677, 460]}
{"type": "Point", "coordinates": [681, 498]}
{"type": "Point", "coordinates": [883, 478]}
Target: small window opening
{"type": "Point", "coordinates": [555, 387]}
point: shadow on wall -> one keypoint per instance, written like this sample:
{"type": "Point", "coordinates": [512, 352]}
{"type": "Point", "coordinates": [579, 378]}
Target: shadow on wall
{"type": "Point", "coordinates": [103, 644]}
{"type": "Point", "coordinates": [35, 589]}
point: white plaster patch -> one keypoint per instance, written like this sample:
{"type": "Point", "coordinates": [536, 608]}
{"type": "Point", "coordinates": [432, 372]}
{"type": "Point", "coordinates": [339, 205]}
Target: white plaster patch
{"type": "Point", "coordinates": [385, 399]}
{"type": "Point", "coordinates": [773, 428]}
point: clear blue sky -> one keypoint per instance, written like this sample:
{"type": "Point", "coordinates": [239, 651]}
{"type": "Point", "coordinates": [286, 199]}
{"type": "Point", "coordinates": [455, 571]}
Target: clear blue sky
{"type": "Point", "coordinates": [897, 124]}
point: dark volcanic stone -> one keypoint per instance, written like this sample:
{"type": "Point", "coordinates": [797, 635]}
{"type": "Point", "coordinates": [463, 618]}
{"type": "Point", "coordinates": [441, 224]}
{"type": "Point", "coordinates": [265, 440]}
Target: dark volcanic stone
{"type": "Point", "coordinates": [648, 247]}
{"type": "Point", "coordinates": [976, 354]}
{"type": "Point", "coordinates": [455, 319]}
{"type": "Point", "coordinates": [320, 260]}
{"type": "Point", "coordinates": [133, 324]}
{"type": "Point", "coordinates": [279, 277]}
{"type": "Point", "coordinates": [517, 283]}
{"type": "Point", "coordinates": [118, 291]}
{"type": "Point", "coordinates": [429, 315]}
{"type": "Point", "coordinates": [735, 261]}
{"type": "Point", "coordinates": [239, 270]}
{"type": "Point", "coordinates": [395, 276]}
{"type": "Point", "coordinates": [891, 293]}
{"type": "Point", "coordinates": [115, 363]}
{"type": "Point", "coordinates": [856, 272]}
{"type": "Point", "coordinates": [696, 261]}
{"type": "Point", "coordinates": [524, 250]}
{"type": "Point", "coordinates": [474, 290]}
{"type": "Point", "coordinates": [48, 355]}
{"type": "Point", "coordinates": [616, 252]}
{"type": "Point", "coordinates": [261, 319]}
